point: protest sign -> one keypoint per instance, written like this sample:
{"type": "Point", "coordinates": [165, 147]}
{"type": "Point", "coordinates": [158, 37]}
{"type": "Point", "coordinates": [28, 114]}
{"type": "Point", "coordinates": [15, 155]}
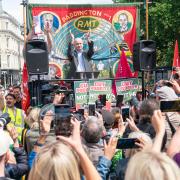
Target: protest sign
{"type": "Point", "coordinates": [127, 87]}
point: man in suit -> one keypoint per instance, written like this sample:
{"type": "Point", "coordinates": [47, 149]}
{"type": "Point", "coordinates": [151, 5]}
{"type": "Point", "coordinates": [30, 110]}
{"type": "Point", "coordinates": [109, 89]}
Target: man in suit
{"type": "Point", "coordinates": [79, 59]}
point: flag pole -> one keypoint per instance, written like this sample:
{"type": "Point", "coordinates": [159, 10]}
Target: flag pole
{"type": "Point", "coordinates": [147, 37]}
{"type": "Point", "coordinates": [24, 3]}
{"type": "Point", "coordinates": [147, 21]}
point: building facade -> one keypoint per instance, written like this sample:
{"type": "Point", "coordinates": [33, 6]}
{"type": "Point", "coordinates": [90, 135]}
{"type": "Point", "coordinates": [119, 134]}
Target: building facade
{"type": "Point", "coordinates": [11, 46]}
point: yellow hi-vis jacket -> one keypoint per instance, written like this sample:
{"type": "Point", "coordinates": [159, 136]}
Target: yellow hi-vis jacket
{"type": "Point", "coordinates": [17, 119]}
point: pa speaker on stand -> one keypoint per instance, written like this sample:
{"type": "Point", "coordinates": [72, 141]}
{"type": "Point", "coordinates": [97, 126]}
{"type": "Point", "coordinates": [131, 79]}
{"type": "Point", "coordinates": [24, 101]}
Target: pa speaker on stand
{"type": "Point", "coordinates": [37, 57]}
{"type": "Point", "coordinates": [144, 58]}
{"type": "Point", "coordinates": [37, 62]}
{"type": "Point", "coordinates": [144, 55]}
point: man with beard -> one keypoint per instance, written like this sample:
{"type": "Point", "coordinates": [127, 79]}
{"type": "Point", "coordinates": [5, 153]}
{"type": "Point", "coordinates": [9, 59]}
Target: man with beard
{"type": "Point", "coordinates": [17, 94]}
{"type": "Point", "coordinates": [17, 115]}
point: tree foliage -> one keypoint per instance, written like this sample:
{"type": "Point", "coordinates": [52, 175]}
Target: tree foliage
{"type": "Point", "coordinates": [164, 28]}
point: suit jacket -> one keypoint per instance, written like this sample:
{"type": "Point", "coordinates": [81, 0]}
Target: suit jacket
{"type": "Point", "coordinates": [72, 55]}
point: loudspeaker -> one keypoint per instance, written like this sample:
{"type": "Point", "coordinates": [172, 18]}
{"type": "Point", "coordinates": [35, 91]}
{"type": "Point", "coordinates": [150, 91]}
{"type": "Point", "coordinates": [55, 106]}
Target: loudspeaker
{"type": "Point", "coordinates": [144, 55]}
{"type": "Point", "coordinates": [37, 57]}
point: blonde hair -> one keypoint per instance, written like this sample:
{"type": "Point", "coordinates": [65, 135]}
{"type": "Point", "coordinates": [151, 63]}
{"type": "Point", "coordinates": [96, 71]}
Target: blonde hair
{"type": "Point", "coordinates": [137, 134]}
{"type": "Point", "coordinates": [32, 118]}
{"type": "Point", "coordinates": [117, 116]}
{"type": "Point", "coordinates": [152, 166]}
{"type": "Point", "coordinates": [55, 161]}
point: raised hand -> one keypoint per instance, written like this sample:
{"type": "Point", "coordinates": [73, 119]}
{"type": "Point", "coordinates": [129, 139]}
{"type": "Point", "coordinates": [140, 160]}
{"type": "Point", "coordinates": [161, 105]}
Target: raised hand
{"type": "Point", "coordinates": [176, 86]}
{"type": "Point", "coordinates": [72, 37]}
{"type": "Point", "coordinates": [110, 148]}
{"type": "Point", "coordinates": [132, 124]}
{"type": "Point", "coordinates": [121, 126]}
{"type": "Point", "coordinates": [158, 122]}
{"type": "Point", "coordinates": [14, 135]}
{"type": "Point", "coordinates": [143, 145]}
{"type": "Point", "coordinates": [88, 36]}
{"type": "Point", "coordinates": [45, 124]}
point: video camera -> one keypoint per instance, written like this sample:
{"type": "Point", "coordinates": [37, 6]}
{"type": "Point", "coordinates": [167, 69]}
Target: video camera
{"type": "Point", "coordinates": [4, 120]}
{"type": "Point", "coordinates": [49, 91]}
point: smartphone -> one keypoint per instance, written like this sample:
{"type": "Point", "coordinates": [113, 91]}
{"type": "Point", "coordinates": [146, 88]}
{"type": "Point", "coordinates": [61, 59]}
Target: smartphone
{"type": "Point", "coordinates": [62, 124]}
{"type": "Point", "coordinates": [127, 143]}
{"type": "Point", "coordinates": [170, 106]}
{"type": "Point", "coordinates": [125, 112]}
{"type": "Point", "coordinates": [92, 108]}
{"type": "Point", "coordinates": [37, 28]}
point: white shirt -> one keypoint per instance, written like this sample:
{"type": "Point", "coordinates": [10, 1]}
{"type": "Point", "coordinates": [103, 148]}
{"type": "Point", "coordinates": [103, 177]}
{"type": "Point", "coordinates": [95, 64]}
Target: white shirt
{"type": "Point", "coordinates": [81, 65]}
{"type": "Point", "coordinates": [100, 66]}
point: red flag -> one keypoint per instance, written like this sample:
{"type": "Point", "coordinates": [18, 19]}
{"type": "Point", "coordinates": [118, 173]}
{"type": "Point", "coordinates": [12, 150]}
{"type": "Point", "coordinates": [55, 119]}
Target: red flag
{"type": "Point", "coordinates": [123, 70]}
{"type": "Point", "coordinates": [25, 90]}
{"type": "Point", "coordinates": [135, 74]}
{"type": "Point", "coordinates": [176, 60]}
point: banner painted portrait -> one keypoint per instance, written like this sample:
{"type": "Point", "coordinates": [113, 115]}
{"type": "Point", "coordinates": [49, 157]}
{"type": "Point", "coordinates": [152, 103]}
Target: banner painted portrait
{"type": "Point", "coordinates": [111, 27]}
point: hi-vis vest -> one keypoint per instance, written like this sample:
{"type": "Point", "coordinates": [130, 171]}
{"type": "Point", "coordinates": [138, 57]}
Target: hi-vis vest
{"type": "Point", "coordinates": [17, 119]}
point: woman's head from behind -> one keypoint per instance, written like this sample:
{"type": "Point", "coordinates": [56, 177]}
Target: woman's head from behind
{"type": "Point", "coordinates": [151, 166]}
{"type": "Point", "coordinates": [55, 161]}
{"type": "Point", "coordinates": [32, 118]}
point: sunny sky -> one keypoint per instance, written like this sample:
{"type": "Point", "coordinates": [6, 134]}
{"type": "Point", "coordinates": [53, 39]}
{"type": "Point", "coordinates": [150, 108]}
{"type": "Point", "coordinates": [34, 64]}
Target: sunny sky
{"type": "Point", "coordinates": [14, 8]}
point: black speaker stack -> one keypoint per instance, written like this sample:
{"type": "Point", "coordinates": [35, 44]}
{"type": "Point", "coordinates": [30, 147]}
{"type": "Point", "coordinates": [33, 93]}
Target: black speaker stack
{"type": "Point", "coordinates": [37, 57]}
{"type": "Point", "coordinates": [144, 55]}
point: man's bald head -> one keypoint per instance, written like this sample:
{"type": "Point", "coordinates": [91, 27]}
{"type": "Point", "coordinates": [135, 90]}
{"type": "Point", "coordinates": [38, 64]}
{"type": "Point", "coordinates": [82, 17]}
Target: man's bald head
{"type": "Point", "coordinates": [92, 130]}
{"type": "Point", "coordinates": [78, 44]}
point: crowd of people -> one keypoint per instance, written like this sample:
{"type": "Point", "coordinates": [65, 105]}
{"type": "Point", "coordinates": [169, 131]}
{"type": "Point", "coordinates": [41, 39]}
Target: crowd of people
{"type": "Point", "coordinates": [31, 148]}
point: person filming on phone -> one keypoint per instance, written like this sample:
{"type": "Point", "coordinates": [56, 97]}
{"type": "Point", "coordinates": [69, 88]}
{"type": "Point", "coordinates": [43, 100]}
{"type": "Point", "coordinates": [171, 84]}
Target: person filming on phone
{"type": "Point", "coordinates": [37, 33]}
{"type": "Point", "coordinates": [78, 57]}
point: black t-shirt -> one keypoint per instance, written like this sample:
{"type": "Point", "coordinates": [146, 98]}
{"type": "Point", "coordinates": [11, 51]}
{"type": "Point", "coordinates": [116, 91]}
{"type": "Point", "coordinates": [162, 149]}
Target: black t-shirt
{"type": "Point", "coordinates": [18, 105]}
